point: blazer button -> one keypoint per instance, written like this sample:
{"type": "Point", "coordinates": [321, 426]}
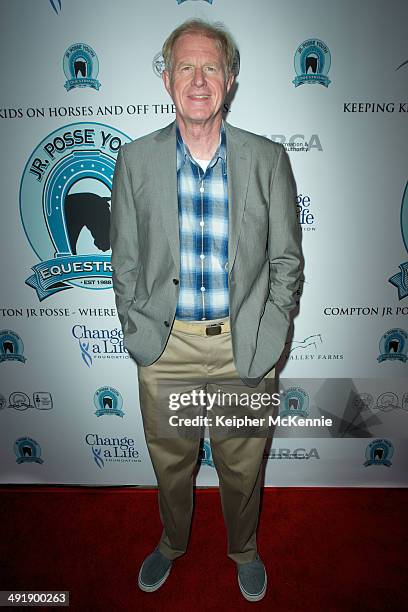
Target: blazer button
{"type": "Point", "coordinates": [176, 281]}
{"type": "Point", "coordinates": [167, 324]}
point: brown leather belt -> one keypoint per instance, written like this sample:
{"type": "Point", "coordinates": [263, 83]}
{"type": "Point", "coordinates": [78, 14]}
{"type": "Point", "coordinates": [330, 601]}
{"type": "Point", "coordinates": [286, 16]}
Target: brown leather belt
{"type": "Point", "coordinates": [204, 328]}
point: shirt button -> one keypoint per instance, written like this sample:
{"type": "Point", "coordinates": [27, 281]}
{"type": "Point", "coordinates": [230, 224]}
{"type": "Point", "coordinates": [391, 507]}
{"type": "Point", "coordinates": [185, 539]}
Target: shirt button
{"type": "Point", "coordinates": [202, 256]}
{"type": "Point", "coordinates": [201, 189]}
{"type": "Point", "coordinates": [166, 323]}
{"type": "Point", "coordinates": [176, 281]}
{"type": "Point", "coordinates": [201, 223]}
{"type": "Point", "coordinates": [202, 289]}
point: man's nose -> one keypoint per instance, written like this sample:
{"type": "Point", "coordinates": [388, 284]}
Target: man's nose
{"type": "Point", "coordinates": [198, 77]}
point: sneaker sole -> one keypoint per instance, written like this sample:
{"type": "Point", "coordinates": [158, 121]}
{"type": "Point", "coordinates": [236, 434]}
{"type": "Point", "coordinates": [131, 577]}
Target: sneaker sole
{"type": "Point", "coordinates": [256, 597]}
{"type": "Point", "coordinates": [150, 588]}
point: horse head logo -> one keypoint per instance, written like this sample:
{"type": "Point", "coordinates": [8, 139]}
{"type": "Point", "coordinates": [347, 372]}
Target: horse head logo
{"type": "Point", "coordinates": [91, 211]}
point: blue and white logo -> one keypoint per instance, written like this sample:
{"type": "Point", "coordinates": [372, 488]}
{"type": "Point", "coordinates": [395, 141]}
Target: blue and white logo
{"type": "Point", "coordinates": [11, 346]}
{"type": "Point", "coordinates": [206, 454]}
{"type": "Point", "coordinates": [65, 207]}
{"type": "Point", "coordinates": [108, 401]}
{"type": "Point", "coordinates": [393, 346]}
{"type": "Point", "coordinates": [400, 280]}
{"type": "Point", "coordinates": [27, 450]}
{"type": "Point", "coordinates": [379, 452]}
{"type": "Point", "coordinates": [312, 63]}
{"type": "Point", "coordinates": [81, 67]}
{"type": "Point", "coordinates": [106, 449]}
{"type": "Point", "coordinates": [294, 401]}
{"type": "Point", "coordinates": [97, 343]}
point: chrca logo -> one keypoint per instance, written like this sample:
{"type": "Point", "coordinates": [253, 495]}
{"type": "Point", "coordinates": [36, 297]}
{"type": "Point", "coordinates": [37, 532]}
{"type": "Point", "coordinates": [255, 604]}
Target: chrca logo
{"type": "Point", "coordinates": [297, 453]}
{"type": "Point", "coordinates": [298, 142]}
{"type": "Point", "coordinates": [393, 346]}
{"type": "Point", "coordinates": [65, 207]}
{"type": "Point", "coordinates": [11, 346]}
{"type": "Point", "coordinates": [81, 67]}
{"type": "Point", "coordinates": [312, 63]}
{"type": "Point", "coordinates": [379, 452]}
{"type": "Point", "coordinates": [400, 280]}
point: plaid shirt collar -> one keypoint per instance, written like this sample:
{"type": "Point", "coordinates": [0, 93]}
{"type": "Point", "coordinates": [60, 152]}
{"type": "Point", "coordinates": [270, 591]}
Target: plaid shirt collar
{"type": "Point", "coordinates": [183, 153]}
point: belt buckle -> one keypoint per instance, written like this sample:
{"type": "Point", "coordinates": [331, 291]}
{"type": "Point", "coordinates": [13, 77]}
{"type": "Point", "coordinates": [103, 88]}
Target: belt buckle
{"type": "Point", "coordinates": [213, 330]}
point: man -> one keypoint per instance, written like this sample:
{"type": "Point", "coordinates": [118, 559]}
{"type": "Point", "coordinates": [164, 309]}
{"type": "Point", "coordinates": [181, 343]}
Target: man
{"type": "Point", "coordinates": [206, 259]}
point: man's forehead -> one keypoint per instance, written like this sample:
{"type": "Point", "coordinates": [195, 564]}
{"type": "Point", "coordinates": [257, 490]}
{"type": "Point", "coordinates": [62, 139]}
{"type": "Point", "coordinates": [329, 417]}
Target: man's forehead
{"type": "Point", "coordinates": [191, 42]}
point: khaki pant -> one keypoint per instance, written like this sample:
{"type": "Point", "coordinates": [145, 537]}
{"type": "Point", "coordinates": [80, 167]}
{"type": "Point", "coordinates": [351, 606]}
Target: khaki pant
{"type": "Point", "coordinates": [238, 460]}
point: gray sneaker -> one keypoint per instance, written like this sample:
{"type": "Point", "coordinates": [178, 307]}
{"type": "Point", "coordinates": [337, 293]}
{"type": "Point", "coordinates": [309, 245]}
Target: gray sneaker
{"type": "Point", "coordinates": [252, 579]}
{"type": "Point", "coordinates": [154, 571]}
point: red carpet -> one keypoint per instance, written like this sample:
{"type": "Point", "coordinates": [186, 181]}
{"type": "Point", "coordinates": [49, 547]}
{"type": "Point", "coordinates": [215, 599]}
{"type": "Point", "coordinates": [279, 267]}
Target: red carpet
{"type": "Point", "coordinates": [324, 549]}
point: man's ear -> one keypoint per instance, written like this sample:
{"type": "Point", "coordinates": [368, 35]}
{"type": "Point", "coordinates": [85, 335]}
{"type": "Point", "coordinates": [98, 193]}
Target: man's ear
{"type": "Point", "coordinates": [166, 81]}
{"type": "Point", "coordinates": [230, 82]}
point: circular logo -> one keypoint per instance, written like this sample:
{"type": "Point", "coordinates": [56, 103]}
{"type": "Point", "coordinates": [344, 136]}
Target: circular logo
{"type": "Point", "coordinates": [158, 64]}
{"type": "Point", "coordinates": [362, 401]}
{"type": "Point", "coordinates": [81, 67]}
{"type": "Point", "coordinates": [19, 401]}
{"type": "Point", "coordinates": [379, 452]}
{"type": "Point", "coordinates": [387, 401]}
{"type": "Point", "coordinates": [65, 207]}
{"type": "Point", "coordinates": [393, 345]}
{"type": "Point", "coordinates": [294, 400]}
{"type": "Point", "coordinates": [11, 346]}
{"type": "Point", "coordinates": [108, 400]}
{"type": "Point", "coordinates": [27, 450]}
{"type": "Point", "coordinates": [312, 63]}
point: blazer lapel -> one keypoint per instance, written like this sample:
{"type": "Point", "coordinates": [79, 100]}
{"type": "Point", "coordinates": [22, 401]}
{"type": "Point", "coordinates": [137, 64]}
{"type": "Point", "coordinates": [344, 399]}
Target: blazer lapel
{"type": "Point", "coordinates": [166, 185]}
{"type": "Point", "coordinates": [239, 159]}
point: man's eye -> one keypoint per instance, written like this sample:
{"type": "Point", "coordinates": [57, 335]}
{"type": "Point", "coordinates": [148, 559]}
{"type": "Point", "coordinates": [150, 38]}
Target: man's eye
{"type": "Point", "coordinates": [186, 68]}
{"type": "Point", "coordinates": [210, 68]}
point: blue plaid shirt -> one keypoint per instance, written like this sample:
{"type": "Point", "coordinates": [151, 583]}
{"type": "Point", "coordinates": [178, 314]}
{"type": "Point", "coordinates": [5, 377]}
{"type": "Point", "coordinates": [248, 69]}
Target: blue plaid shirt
{"type": "Point", "coordinates": [203, 230]}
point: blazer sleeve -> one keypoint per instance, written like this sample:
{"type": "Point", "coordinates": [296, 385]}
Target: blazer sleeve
{"type": "Point", "coordinates": [284, 238]}
{"type": "Point", "coordinates": [123, 238]}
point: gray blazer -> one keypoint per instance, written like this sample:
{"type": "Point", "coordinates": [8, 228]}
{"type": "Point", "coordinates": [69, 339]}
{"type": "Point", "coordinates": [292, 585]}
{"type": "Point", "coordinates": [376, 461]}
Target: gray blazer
{"type": "Point", "coordinates": [264, 253]}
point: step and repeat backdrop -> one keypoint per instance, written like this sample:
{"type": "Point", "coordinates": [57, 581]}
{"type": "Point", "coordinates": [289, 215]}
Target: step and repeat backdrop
{"type": "Point", "coordinates": [328, 80]}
